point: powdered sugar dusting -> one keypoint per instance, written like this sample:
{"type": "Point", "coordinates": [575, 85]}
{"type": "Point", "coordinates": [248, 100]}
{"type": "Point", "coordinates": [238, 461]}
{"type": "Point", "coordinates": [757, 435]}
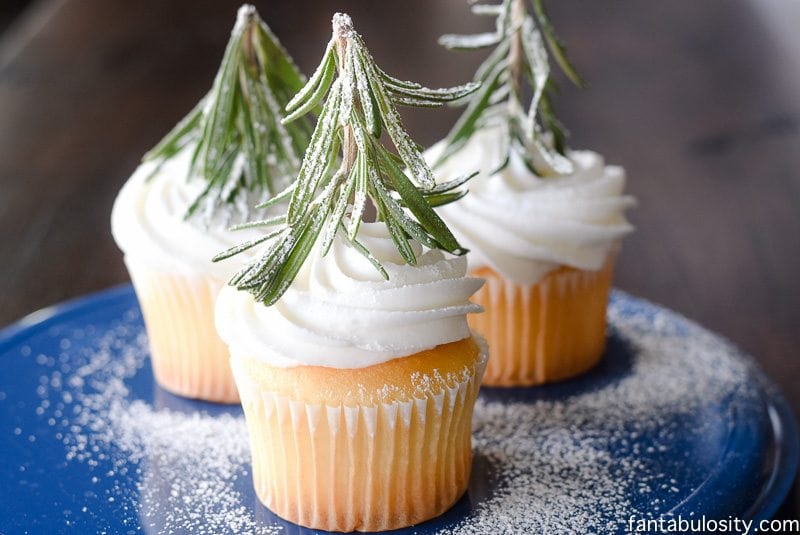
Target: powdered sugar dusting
{"type": "Point", "coordinates": [190, 470]}
{"type": "Point", "coordinates": [575, 459]}
{"type": "Point", "coordinates": [587, 463]}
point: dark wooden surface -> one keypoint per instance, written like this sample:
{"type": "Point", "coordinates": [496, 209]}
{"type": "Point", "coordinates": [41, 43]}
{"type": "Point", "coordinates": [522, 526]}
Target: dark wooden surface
{"type": "Point", "coordinates": [700, 101]}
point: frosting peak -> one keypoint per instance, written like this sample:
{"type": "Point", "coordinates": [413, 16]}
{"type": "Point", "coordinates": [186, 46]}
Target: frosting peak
{"type": "Point", "coordinates": [341, 313]}
{"type": "Point", "coordinates": [524, 226]}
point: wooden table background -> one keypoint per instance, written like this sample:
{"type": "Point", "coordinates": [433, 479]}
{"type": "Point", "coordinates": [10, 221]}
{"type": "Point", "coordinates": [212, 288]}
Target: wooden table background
{"type": "Point", "coordinates": [700, 101]}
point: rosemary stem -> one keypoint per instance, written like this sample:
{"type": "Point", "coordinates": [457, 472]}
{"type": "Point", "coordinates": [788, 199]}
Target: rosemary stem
{"type": "Point", "coordinates": [325, 203]}
{"type": "Point", "coordinates": [247, 41]}
{"type": "Point", "coordinates": [515, 54]}
{"type": "Point", "coordinates": [342, 27]}
{"type": "Point", "coordinates": [247, 51]}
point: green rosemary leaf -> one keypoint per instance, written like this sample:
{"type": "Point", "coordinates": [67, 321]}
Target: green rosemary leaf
{"type": "Point", "coordinates": [416, 103]}
{"type": "Point", "coordinates": [553, 125]}
{"type": "Point", "coordinates": [416, 202]}
{"type": "Point", "coordinates": [245, 246]}
{"type": "Point", "coordinates": [252, 114]}
{"type": "Point", "coordinates": [440, 199]}
{"type": "Point", "coordinates": [241, 148]}
{"type": "Point", "coordinates": [177, 137]}
{"type": "Point", "coordinates": [434, 96]}
{"type": "Point", "coordinates": [316, 80]}
{"type": "Point", "coordinates": [269, 222]}
{"type": "Point", "coordinates": [406, 148]}
{"type": "Point", "coordinates": [502, 165]}
{"type": "Point", "coordinates": [197, 152]}
{"type": "Point", "coordinates": [347, 78]}
{"type": "Point", "coordinates": [395, 158]}
{"type": "Point", "coordinates": [314, 163]}
{"type": "Point", "coordinates": [277, 198]}
{"type": "Point", "coordinates": [444, 187]}
{"type": "Point", "coordinates": [500, 98]}
{"type": "Point", "coordinates": [277, 286]}
{"type": "Point", "coordinates": [492, 10]}
{"type": "Point", "coordinates": [376, 126]}
{"type": "Point", "coordinates": [213, 179]}
{"type": "Point", "coordinates": [392, 82]}
{"type": "Point", "coordinates": [555, 44]}
{"type": "Point", "coordinates": [332, 159]}
{"type": "Point", "coordinates": [335, 221]}
{"type": "Point", "coordinates": [470, 42]}
{"type": "Point", "coordinates": [556, 164]}
{"type": "Point", "coordinates": [538, 66]}
{"type": "Point", "coordinates": [304, 106]}
{"type": "Point", "coordinates": [253, 275]}
{"type": "Point", "coordinates": [398, 215]}
{"type": "Point", "coordinates": [489, 65]}
{"type": "Point", "coordinates": [220, 122]}
{"type": "Point", "coordinates": [284, 77]}
{"type": "Point", "coordinates": [256, 275]}
{"type": "Point", "coordinates": [367, 98]}
{"type": "Point", "coordinates": [358, 246]}
{"type": "Point", "coordinates": [520, 55]}
{"type": "Point", "coordinates": [355, 108]}
{"type": "Point", "coordinates": [360, 178]}
{"type": "Point", "coordinates": [400, 239]}
{"type": "Point", "coordinates": [465, 126]}
{"type": "Point", "coordinates": [360, 198]}
{"type": "Point", "coordinates": [196, 201]}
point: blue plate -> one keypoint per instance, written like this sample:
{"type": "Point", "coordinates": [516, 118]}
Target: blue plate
{"type": "Point", "coordinates": [673, 424]}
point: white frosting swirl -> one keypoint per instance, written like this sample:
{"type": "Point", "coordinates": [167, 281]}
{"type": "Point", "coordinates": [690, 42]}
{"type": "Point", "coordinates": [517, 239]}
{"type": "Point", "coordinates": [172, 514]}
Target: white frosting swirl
{"type": "Point", "coordinates": [341, 313]}
{"type": "Point", "coordinates": [148, 224]}
{"type": "Point", "coordinates": [524, 226]}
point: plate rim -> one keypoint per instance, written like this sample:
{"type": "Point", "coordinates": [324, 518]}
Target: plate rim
{"type": "Point", "coordinates": [68, 308]}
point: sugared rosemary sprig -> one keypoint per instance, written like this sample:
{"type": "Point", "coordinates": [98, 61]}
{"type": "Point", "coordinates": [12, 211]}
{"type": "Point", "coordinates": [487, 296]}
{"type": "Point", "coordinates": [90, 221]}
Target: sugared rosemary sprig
{"type": "Point", "coordinates": [519, 55]}
{"type": "Point", "coordinates": [242, 149]}
{"type": "Point", "coordinates": [346, 164]}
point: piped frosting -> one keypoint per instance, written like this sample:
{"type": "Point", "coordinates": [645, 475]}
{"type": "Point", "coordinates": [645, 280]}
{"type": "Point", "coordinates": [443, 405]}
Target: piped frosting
{"type": "Point", "coordinates": [341, 313]}
{"type": "Point", "coordinates": [148, 223]}
{"type": "Point", "coordinates": [524, 226]}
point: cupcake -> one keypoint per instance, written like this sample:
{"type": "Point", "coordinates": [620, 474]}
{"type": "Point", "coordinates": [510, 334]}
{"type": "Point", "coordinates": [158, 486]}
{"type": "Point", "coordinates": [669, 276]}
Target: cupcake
{"type": "Point", "coordinates": [172, 216]}
{"type": "Point", "coordinates": [349, 340]}
{"type": "Point", "coordinates": [169, 261]}
{"type": "Point", "coordinates": [546, 247]}
{"type": "Point", "coordinates": [543, 223]}
{"type": "Point", "coordinates": [358, 391]}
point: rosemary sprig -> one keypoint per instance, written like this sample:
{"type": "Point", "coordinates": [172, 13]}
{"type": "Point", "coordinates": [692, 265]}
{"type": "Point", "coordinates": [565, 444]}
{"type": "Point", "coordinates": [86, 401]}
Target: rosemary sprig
{"type": "Point", "coordinates": [242, 149]}
{"type": "Point", "coordinates": [520, 55]}
{"type": "Point", "coordinates": [346, 164]}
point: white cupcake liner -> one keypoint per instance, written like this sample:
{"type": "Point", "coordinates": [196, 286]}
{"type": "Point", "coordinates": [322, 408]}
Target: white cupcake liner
{"type": "Point", "coordinates": [544, 332]}
{"type": "Point", "coordinates": [366, 468]}
{"type": "Point", "coordinates": [189, 358]}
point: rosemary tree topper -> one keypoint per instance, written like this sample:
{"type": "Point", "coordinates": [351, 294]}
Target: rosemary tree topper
{"type": "Point", "coordinates": [519, 55]}
{"type": "Point", "coordinates": [347, 163]}
{"type": "Point", "coordinates": [242, 149]}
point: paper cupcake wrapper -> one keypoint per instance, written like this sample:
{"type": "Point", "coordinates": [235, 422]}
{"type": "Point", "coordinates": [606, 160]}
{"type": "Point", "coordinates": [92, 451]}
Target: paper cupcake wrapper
{"type": "Point", "coordinates": [342, 468]}
{"type": "Point", "coordinates": [189, 358]}
{"type": "Point", "coordinates": [552, 330]}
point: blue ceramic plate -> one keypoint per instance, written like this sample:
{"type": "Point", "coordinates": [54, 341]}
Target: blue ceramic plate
{"type": "Point", "coordinates": [674, 423]}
